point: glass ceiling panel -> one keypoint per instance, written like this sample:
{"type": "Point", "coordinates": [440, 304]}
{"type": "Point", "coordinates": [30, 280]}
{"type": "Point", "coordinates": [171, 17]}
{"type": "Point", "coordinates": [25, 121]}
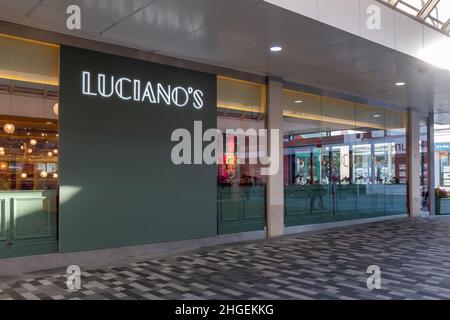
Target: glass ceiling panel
{"type": "Point", "coordinates": [442, 11]}
{"type": "Point", "coordinates": [408, 9]}
{"type": "Point", "coordinates": [418, 4]}
{"type": "Point", "coordinates": [438, 16]}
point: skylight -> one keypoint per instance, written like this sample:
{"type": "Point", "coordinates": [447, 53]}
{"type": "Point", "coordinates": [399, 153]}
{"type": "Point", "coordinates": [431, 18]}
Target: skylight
{"type": "Point", "coordinates": [435, 13]}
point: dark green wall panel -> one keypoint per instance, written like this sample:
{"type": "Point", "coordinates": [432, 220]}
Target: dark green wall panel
{"type": "Point", "coordinates": [118, 184]}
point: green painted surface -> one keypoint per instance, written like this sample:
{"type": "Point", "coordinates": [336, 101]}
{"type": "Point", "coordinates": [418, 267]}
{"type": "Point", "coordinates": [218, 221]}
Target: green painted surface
{"type": "Point", "coordinates": [241, 209]}
{"type": "Point", "coordinates": [306, 204]}
{"type": "Point", "coordinates": [119, 186]}
{"type": "Point", "coordinates": [28, 222]}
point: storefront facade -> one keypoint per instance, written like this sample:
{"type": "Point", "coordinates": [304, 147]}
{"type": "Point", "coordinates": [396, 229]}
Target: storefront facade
{"type": "Point", "coordinates": [88, 137]}
{"type": "Point", "coordinates": [343, 160]}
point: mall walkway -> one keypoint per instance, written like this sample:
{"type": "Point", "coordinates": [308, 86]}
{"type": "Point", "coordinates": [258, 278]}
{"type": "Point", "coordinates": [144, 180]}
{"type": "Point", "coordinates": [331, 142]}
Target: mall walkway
{"type": "Point", "coordinates": [414, 257]}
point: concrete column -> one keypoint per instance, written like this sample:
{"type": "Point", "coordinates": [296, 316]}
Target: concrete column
{"type": "Point", "coordinates": [413, 152]}
{"type": "Point", "coordinates": [431, 163]}
{"type": "Point", "coordinates": [275, 185]}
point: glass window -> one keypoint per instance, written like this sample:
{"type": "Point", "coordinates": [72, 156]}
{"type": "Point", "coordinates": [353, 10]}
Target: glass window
{"type": "Point", "coordinates": [397, 176]}
{"type": "Point", "coordinates": [424, 174]}
{"type": "Point", "coordinates": [442, 154]}
{"type": "Point", "coordinates": [339, 158]}
{"type": "Point", "coordinates": [436, 13]}
{"type": "Point", "coordinates": [29, 174]}
{"type": "Point", "coordinates": [29, 60]}
{"type": "Point", "coordinates": [442, 11]}
{"type": "Point", "coordinates": [241, 187]}
{"type": "Point", "coordinates": [239, 95]}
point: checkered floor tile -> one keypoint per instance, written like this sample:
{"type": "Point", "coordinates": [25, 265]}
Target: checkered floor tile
{"type": "Point", "coordinates": [413, 255]}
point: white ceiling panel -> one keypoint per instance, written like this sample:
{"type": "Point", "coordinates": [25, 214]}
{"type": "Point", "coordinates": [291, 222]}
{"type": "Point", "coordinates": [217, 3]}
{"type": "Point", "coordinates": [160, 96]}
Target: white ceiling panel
{"type": "Point", "coordinates": [238, 34]}
{"type": "Point", "coordinates": [385, 34]}
{"type": "Point", "coordinates": [344, 14]}
{"type": "Point", "coordinates": [44, 15]}
{"type": "Point", "coordinates": [107, 10]}
{"type": "Point", "coordinates": [248, 36]}
{"type": "Point", "coordinates": [17, 8]}
{"type": "Point", "coordinates": [404, 28]}
{"type": "Point", "coordinates": [166, 21]}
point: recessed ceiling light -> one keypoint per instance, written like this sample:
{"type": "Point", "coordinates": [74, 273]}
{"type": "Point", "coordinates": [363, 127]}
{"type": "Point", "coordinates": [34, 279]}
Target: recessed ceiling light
{"type": "Point", "coordinates": [276, 49]}
{"type": "Point", "coordinates": [376, 115]}
{"type": "Point", "coordinates": [400, 84]}
{"type": "Point", "coordinates": [298, 101]}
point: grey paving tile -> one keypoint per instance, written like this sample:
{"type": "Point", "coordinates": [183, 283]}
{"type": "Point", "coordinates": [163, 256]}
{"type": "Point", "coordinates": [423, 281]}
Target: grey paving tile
{"type": "Point", "coordinates": [414, 257]}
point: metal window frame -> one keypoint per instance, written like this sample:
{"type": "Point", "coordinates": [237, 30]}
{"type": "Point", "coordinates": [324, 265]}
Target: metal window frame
{"type": "Point", "coordinates": [422, 15]}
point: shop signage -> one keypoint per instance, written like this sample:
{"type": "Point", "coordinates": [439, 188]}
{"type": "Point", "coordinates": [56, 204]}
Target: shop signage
{"type": "Point", "coordinates": [400, 148]}
{"type": "Point", "coordinates": [442, 146]}
{"type": "Point", "coordinates": [118, 181]}
{"type": "Point", "coordinates": [129, 89]}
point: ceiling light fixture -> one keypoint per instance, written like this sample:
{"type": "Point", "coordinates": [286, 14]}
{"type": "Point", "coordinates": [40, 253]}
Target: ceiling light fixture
{"type": "Point", "coordinates": [298, 101]}
{"type": "Point", "coordinates": [56, 108]}
{"type": "Point", "coordinates": [376, 115]}
{"type": "Point", "coordinates": [9, 128]}
{"type": "Point", "coordinates": [400, 84]}
{"type": "Point", "coordinates": [276, 49]}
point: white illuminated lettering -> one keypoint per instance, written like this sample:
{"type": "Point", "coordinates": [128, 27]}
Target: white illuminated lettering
{"type": "Point", "coordinates": [119, 88]}
{"type": "Point", "coordinates": [176, 97]}
{"type": "Point", "coordinates": [148, 93]}
{"type": "Point", "coordinates": [137, 90]}
{"type": "Point", "coordinates": [198, 99]}
{"type": "Point", "coordinates": [101, 79]}
{"type": "Point", "coordinates": [86, 83]}
{"type": "Point", "coordinates": [111, 86]}
{"type": "Point", "coordinates": [162, 93]}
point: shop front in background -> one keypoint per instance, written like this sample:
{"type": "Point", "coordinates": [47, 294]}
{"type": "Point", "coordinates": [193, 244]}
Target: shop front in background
{"type": "Point", "coordinates": [29, 174]}
{"type": "Point", "coordinates": [342, 160]}
{"type": "Point", "coordinates": [240, 186]}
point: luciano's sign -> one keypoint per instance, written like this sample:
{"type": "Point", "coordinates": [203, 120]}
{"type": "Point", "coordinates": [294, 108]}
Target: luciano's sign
{"type": "Point", "coordinates": [139, 90]}
{"type": "Point", "coordinates": [121, 113]}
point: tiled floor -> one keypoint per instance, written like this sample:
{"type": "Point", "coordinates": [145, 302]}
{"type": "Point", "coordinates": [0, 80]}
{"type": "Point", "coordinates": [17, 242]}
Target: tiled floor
{"type": "Point", "coordinates": [414, 257]}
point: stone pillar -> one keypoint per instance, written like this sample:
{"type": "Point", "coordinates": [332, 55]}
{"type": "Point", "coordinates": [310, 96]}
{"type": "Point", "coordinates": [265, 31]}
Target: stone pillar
{"type": "Point", "coordinates": [275, 182]}
{"type": "Point", "coordinates": [413, 151]}
{"type": "Point", "coordinates": [431, 163]}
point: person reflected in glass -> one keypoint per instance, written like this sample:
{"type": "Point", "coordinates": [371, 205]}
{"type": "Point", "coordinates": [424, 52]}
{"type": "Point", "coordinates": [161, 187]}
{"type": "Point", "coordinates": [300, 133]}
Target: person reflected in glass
{"type": "Point", "coordinates": [318, 191]}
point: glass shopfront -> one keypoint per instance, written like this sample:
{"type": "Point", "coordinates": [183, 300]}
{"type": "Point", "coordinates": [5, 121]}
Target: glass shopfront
{"type": "Point", "coordinates": [240, 186]}
{"type": "Point", "coordinates": [442, 156]}
{"type": "Point", "coordinates": [29, 175]}
{"type": "Point", "coordinates": [342, 160]}
{"type": "Point", "coordinates": [424, 167]}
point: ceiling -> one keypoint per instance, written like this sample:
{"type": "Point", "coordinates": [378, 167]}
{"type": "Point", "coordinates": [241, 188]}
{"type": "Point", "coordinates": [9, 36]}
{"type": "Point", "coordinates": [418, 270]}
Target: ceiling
{"type": "Point", "coordinates": [435, 13]}
{"type": "Point", "coordinates": [237, 34]}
